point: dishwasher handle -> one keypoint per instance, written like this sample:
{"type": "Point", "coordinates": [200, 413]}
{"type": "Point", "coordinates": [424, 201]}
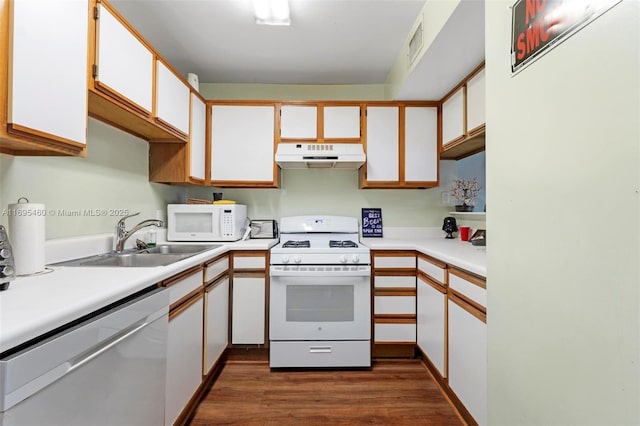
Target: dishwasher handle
{"type": "Point", "coordinates": [106, 345]}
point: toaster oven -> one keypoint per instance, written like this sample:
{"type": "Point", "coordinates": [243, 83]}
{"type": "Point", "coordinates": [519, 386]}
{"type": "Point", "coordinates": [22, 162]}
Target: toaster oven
{"type": "Point", "coordinates": [267, 228]}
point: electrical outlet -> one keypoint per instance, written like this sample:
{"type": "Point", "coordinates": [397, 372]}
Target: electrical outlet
{"type": "Point", "coordinates": [445, 197]}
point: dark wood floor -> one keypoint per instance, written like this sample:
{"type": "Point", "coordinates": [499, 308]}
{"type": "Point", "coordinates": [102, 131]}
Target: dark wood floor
{"type": "Point", "coordinates": [394, 392]}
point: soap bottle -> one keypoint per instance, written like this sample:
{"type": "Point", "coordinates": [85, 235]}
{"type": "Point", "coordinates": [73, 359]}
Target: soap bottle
{"type": "Point", "coordinates": [151, 238]}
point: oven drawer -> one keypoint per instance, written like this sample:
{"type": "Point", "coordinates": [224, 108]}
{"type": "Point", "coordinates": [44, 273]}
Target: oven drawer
{"type": "Point", "coordinates": [320, 354]}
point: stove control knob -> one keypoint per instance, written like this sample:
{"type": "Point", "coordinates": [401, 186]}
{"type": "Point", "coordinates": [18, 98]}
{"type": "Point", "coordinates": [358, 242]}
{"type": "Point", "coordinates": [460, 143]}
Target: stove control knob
{"type": "Point", "coordinates": [297, 258]}
{"type": "Point", "coordinates": [7, 271]}
{"type": "Point", "coordinates": [285, 259]}
{"type": "Point", "coordinates": [5, 253]}
{"type": "Point", "coordinates": [355, 258]}
{"type": "Point", "coordinates": [343, 258]}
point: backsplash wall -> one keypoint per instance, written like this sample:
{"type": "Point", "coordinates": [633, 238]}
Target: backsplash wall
{"type": "Point", "coordinates": [76, 192]}
{"type": "Point", "coordinates": [336, 192]}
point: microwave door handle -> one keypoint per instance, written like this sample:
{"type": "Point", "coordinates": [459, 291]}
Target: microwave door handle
{"type": "Point", "coordinates": [217, 222]}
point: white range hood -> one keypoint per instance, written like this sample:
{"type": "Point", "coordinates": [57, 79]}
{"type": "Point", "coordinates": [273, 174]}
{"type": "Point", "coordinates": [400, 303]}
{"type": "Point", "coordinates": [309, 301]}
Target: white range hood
{"type": "Point", "coordinates": [320, 155]}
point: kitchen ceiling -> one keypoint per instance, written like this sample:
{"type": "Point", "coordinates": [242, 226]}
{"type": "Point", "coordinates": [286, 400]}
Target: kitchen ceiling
{"type": "Point", "coordinates": [328, 41]}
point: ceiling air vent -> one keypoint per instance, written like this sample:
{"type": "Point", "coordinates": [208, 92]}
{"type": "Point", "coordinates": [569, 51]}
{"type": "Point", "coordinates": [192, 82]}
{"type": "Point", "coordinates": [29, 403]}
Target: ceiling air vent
{"type": "Point", "coordinates": [415, 44]}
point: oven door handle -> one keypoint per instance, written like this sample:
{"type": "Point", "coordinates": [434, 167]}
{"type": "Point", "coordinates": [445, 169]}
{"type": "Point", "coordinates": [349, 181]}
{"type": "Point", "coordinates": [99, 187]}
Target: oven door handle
{"type": "Point", "coordinates": [276, 272]}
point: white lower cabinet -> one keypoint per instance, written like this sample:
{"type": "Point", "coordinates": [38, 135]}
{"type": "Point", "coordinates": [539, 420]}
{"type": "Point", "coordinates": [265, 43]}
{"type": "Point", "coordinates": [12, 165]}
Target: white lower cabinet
{"type": "Point", "coordinates": [184, 357]}
{"type": "Point", "coordinates": [248, 310]}
{"type": "Point", "coordinates": [468, 358]}
{"type": "Point", "coordinates": [216, 322]}
{"type": "Point", "coordinates": [431, 319]}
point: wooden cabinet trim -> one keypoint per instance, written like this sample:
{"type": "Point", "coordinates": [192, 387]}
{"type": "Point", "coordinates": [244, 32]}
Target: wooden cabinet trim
{"type": "Point", "coordinates": [179, 276]}
{"type": "Point", "coordinates": [394, 291]}
{"type": "Point", "coordinates": [394, 319]}
{"type": "Point", "coordinates": [432, 260]}
{"type": "Point", "coordinates": [393, 253]}
{"type": "Point", "coordinates": [249, 273]}
{"type": "Point", "coordinates": [391, 272]}
{"type": "Point", "coordinates": [429, 281]}
{"type": "Point", "coordinates": [468, 305]}
{"type": "Point", "coordinates": [215, 259]}
{"type": "Point", "coordinates": [467, 276]}
{"type": "Point", "coordinates": [244, 184]}
{"type": "Point", "coordinates": [184, 303]}
{"type": "Point", "coordinates": [112, 94]}
{"type": "Point", "coordinates": [44, 141]}
{"type": "Point", "coordinates": [216, 281]}
{"type": "Point", "coordinates": [250, 253]}
{"type": "Point", "coordinates": [170, 128]}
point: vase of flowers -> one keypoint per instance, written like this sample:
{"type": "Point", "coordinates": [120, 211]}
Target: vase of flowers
{"type": "Point", "coordinates": [466, 192]}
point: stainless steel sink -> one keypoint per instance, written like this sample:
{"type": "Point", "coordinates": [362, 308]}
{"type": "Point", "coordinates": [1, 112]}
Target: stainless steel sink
{"type": "Point", "coordinates": [179, 249]}
{"type": "Point", "coordinates": [161, 255]}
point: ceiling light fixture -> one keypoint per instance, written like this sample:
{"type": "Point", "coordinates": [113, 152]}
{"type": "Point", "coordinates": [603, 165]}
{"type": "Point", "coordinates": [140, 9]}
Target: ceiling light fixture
{"type": "Point", "coordinates": [272, 12]}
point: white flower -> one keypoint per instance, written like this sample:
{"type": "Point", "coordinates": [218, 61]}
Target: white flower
{"type": "Point", "coordinates": [466, 190]}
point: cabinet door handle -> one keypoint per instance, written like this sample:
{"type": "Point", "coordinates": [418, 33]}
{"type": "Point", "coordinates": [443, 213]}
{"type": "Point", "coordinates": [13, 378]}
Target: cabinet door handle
{"type": "Point", "coordinates": [320, 349]}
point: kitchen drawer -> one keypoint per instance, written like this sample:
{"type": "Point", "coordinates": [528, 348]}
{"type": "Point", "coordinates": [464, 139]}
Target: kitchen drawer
{"type": "Point", "coordinates": [473, 288]}
{"type": "Point", "coordinates": [320, 354]}
{"type": "Point", "coordinates": [249, 262]}
{"type": "Point", "coordinates": [395, 332]}
{"type": "Point", "coordinates": [394, 282]}
{"type": "Point", "coordinates": [217, 267]}
{"type": "Point", "coordinates": [395, 262]}
{"type": "Point", "coordinates": [183, 285]}
{"type": "Point", "coordinates": [394, 305]}
{"type": "Point", "coordinates": [435, 272]}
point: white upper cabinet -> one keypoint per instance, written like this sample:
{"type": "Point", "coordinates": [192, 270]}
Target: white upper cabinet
{"type": "Point", "coordinates": [453, 117]}
{"type": "Point", "coordinates": [125, 64]}
{"type": "Point", "coordinates": [198, 137]}
{"type": "Point", "coordinates": [421, 144]}
{"type": "Point", "coordinates": [48, 70]}
{"type": "Point", "coordinates": [242, 145]}
{"type": "Point", "coordinates": [476, 102]}
{"type": "Point", "coordinates": [383, 147]}
{"type": "Point", "coordinates": [298, 122]}
{"type": "Point", "coordinates": [401, 147]}
{"type": "Point", "coordinates": [341, 122]}
{"type": "Point", "coordinates": [172, 99]}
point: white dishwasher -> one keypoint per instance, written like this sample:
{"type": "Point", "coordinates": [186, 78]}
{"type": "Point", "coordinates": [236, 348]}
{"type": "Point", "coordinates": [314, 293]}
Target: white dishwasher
{"type": "Point", "coordinates": [107, 368]}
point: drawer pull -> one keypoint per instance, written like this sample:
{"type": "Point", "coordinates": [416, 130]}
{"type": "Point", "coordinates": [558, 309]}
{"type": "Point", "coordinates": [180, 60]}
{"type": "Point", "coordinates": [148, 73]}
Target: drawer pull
{"type": "Point", "coordinates": [320, 349]}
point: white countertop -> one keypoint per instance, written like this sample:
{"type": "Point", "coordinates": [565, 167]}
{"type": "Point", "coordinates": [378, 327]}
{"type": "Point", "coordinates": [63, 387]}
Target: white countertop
{"type": "Point", "coordinates": [38, 304]}
{"type": "Point", "coordinates": [35, 305]}
{"type": "Point", "coordinates": [453, 252]}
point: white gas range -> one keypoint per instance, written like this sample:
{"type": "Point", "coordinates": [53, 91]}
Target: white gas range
{"type": "Point", "coordinates": [320, 294]}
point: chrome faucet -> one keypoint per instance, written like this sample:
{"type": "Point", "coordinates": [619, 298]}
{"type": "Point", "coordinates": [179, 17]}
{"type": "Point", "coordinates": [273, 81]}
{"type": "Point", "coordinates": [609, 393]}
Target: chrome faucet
{"type": "Point", "coordinates": [122, 235]}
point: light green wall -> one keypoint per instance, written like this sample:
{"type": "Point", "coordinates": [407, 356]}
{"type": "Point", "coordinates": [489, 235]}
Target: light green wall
{"type": "Point", "coordinates": [435, 15]}
{"type": "Point", "coordinates": [114, 175]}
{"type": "Point", "coordinates": [563, 178]}
{"type": "Point", "coordinates": [335, 192]}
{"type": "Point", "coordinates": [360, 92]}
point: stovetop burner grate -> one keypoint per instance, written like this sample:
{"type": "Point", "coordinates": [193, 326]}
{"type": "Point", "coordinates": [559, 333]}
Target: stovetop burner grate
{"type": "Point", "coordinates": [297, 244]}
{"type": "Point", "coordinates": [342, 244]}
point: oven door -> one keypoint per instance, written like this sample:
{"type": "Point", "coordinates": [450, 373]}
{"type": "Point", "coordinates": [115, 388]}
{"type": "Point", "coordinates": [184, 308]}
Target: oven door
{"type": "Point", "coordinates": [320, 302]}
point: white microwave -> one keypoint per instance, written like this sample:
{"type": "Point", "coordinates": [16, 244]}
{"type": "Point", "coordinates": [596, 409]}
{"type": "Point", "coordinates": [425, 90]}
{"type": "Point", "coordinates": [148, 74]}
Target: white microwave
{"type": "Point", "coordinates": [206, 222]}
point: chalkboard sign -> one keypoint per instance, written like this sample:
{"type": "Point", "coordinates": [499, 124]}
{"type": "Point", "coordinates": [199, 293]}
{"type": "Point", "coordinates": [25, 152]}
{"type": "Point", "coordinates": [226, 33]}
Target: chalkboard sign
{"type": "Point", "coordinates": [372, 223]}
